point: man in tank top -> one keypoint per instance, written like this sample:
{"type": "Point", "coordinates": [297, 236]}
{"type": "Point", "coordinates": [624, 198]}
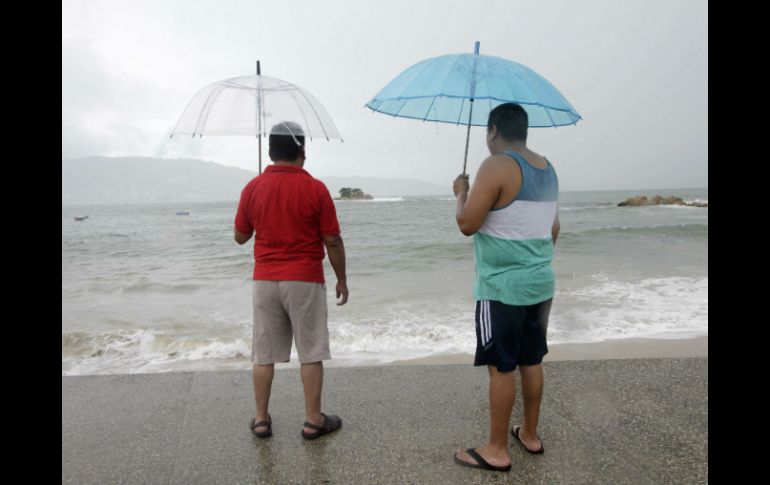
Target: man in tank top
{"type": "Point", "coordinates": [511, 212]}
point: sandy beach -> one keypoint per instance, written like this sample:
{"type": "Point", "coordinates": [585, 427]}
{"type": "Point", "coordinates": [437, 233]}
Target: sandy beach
{"type": "Point", "coordinates": [614, 421]}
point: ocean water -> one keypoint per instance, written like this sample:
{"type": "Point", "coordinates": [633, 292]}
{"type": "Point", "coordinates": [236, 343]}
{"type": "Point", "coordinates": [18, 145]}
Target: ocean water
{"type": "Point", "coordinates": [147, 290]}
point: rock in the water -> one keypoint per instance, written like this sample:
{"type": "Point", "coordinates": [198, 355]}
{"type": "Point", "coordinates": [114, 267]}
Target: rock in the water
{"type": "Point", "coordinates": [641, 200]}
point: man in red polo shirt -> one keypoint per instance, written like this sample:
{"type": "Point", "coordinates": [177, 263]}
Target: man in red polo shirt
{"type": "Point", "coordinates": [292, 217]}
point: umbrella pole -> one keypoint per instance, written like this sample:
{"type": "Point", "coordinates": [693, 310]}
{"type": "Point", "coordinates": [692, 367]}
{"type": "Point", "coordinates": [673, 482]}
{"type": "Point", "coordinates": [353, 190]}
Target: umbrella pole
{"type": "Point", "coordinates": [467, 137]}
{"type": "Point", "coordinates": [259, 118]}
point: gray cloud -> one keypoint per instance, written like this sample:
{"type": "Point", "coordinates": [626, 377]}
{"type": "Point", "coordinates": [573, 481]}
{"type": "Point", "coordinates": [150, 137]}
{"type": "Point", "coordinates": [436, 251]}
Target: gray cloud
{"type": "Point", "coordinates": [636, 71]}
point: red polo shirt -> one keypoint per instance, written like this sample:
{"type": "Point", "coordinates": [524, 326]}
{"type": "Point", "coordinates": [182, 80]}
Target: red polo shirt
{"type": "Point", "coordinates": [289, 212]}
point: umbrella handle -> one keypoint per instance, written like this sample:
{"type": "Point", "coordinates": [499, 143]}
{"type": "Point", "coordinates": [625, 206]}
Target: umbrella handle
{"type": "Point", "coordinates": [467, 138]}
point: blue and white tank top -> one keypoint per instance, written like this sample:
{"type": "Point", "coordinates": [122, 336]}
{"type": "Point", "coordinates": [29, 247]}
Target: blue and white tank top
{"type": "Point", "coordinates": [514, 246]}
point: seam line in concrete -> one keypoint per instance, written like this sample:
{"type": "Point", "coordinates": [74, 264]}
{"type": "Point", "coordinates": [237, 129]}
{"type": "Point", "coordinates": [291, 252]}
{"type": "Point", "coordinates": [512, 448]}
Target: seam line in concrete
{"type": "Point", "coordinates": [182, 427]}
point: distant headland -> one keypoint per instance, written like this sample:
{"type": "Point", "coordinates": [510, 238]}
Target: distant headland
{"type": "Point", "coordinates": [348, 193]}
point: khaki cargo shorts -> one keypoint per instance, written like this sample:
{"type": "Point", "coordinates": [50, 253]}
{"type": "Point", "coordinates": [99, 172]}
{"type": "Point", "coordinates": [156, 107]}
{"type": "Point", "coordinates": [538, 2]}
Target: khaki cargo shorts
{"type": "Point", "coordinates": [283, 308]}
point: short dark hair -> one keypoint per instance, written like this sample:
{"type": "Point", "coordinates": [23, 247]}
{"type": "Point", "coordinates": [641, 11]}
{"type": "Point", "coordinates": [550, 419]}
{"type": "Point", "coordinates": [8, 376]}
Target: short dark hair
{"type": "Point", "coordinates": [286, 141]}
{"type": "Point", "coordinates": [511, 120]}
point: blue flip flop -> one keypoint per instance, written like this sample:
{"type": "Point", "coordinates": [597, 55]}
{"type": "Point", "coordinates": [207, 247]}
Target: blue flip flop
{"type": "Point", "coordinates": [515, 434]}
{"type": "Point", "coordinates": [481, 463]}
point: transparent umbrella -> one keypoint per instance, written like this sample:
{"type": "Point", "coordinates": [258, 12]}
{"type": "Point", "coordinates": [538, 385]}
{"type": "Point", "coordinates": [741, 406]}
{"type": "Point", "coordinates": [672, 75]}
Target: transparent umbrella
{"type": "Point", "coordinates": [251, 106]}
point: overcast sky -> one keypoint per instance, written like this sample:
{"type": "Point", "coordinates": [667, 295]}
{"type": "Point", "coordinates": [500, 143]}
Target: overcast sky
{"type": "Point", "coordinates": [637, 71]}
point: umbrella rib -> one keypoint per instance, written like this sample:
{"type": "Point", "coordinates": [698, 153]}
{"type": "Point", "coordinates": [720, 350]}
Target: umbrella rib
{"type": "Point", "coordinates": [485, 80]}
{"type": "Point", "coordinates": [529, 87]}
{"type": "Point", "coordinates": [547, 111]}
{"type": "Point", "coordinates": [460, 114]}
{"type": "Point", "coordinates": [236, 86]}
{"type": "Point", "coordinates": [181, 117]}
{"type": "Point", "coordinates": [489, 90]}
{"type": "Point", "coordinates": [455, 123]}
{"type": "Point", "coordinates": [206, 109]}
{"type": "Point", "coordinates": [495, 98]}
{"type": "Point", "coordinates": [476, 59]}
{"type": "Point", "coordinates": [443, 85]}
{"type": "Point", "coordinates": [314, 112]}
{"type": "Point", "coordinates": [554, 108]}
{"type": "Point", "coordinates": [402, 107]}
{"type": "Point", "coordinates": [302, 112]}
{"type": "Point", "coordinates": [432, 102]}
{"type": "Point", "coordinates": [524, 86]}
{"type": "Point", "coordinates": [412, 81]}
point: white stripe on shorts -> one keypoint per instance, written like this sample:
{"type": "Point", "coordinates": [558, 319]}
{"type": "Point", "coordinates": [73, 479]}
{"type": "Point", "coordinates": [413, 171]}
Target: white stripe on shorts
{"type": "Point", "coordinates": [484, 319]}
{"type": "Point", "coordinates": [482, 325]}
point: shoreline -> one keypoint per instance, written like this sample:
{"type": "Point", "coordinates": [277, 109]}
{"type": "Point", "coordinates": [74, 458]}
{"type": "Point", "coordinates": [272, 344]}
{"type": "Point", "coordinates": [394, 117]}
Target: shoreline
{"type": "Point", "coordinates": [633, 348]}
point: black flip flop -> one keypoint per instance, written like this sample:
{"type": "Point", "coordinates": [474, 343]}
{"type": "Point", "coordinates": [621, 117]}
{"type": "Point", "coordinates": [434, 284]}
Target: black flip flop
{"type": "Point", "coordinates": [515, 434]}
{"type": "Point", "coordinates": [481, 463]}
{"type": "Point", "coordinates": [262, 434]}
{"type": "Point", "coordinates": [331, 423]}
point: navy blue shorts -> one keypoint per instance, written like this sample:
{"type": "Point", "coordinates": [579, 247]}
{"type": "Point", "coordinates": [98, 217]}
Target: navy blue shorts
{"type": "Point", "coordinates": [510, 335]}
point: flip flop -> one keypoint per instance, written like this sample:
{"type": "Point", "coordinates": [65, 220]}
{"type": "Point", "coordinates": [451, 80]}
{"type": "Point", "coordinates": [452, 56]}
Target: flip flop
{"type": "Point", "coordinates": [481, 463]}
{"type": "Point", "coordinates": [331, 423]}
{"type": "Point", "coordinates": [515, 434]}
{"type": "Point", "coordinates": [262, 434]}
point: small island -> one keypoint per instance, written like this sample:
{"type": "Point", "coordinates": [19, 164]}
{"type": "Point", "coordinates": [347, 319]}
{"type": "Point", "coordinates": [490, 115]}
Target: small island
{"type": "Point", "coordinates": [347, 193]}
{"type": "Point", "coordinates": [641, 200]}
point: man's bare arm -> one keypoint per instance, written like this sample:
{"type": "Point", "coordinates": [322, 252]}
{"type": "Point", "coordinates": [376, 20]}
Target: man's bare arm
{"type": "Point", "coordinates": [473, 205]}
{"type": "Point", "coordinates": [336, 250]}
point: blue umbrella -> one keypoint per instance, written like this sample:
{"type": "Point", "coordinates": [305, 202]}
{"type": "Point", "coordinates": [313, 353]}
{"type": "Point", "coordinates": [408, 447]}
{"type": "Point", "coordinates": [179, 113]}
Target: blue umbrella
{"type": "Point", "coordinates": [464, 88]}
